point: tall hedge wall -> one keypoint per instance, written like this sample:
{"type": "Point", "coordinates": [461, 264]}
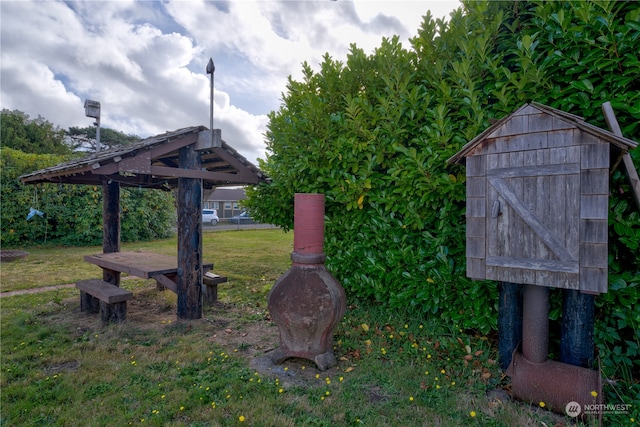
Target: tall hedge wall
{"type": "Point", "coordinates": [373, 133]}
{"type": "Point", "coordinates": [72, 213]}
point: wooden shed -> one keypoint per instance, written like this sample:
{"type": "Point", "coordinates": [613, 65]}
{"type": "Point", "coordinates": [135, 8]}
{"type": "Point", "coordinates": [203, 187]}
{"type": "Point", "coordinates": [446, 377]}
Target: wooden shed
{"type": "Point", "coordinates": [538, 199]}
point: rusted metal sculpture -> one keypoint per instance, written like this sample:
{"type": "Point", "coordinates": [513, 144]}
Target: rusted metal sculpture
{"type": "Point", "coordinates": [307, 302]}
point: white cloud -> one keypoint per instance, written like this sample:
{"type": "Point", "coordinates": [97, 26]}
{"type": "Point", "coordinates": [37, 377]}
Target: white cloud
{"type": "Point", "coordinates": [145, 61]}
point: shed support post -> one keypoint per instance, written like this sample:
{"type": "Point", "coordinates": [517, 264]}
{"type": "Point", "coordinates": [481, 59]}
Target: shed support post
{"type": "Point", "coordinates": [189, 237]}
{"type": "Point", "coordinates": [111, 226]}
{"type": "Point", "coordinates": [110, 243]}
{"type": "Point", "coordinates": [576, 340]}
{"type": "Point", "coordinates": [509, 321]}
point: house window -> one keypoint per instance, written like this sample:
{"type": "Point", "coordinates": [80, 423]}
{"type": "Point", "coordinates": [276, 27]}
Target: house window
{"type": "Point", "coordinates": [227, 205]}
{"type": "Point", "coordinates": [236, 205]}
{"type": "Point", "coordinates": [216, 205]}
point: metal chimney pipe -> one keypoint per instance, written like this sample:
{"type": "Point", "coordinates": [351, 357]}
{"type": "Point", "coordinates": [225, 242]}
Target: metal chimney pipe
{"type": "Point", "coordinates": [307, 302]}
{"type": "Point", "coordinates": [535, 323]}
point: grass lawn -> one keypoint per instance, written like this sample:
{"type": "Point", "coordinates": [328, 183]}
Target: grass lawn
{"type": "Point", "coordinates": [62, 367]}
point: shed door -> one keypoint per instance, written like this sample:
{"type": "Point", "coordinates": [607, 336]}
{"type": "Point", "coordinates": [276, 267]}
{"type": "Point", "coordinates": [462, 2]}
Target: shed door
{"type": "Point", "coordinates": [532, 218]}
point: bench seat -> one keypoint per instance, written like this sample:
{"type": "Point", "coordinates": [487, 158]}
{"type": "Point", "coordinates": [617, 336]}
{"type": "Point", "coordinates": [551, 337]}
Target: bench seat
{"type": "Point", "coordinates": [98, 295]}
{"type": "Point", "coordinates": [210, 287]}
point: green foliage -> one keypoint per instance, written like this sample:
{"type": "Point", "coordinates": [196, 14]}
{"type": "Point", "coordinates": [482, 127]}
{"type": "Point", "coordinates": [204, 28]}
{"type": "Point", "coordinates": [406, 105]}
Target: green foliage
{"type": "Point", "coordinates": [86, 136]}
{"type": "Point", "coordinates": [373, 134]}
{"type": "Point", "coordinates": [72, 213]}
{"type": "Point", "coordinates": [39, 136]}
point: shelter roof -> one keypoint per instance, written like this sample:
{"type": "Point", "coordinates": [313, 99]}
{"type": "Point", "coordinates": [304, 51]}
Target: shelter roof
{"type": "Point", "coordinates": [154, 163]}
{"type": "Point", "coordinates": [618, 143]}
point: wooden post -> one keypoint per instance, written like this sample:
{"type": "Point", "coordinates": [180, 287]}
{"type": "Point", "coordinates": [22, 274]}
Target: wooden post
{"type": "Point", "coordinates": [576, 336]}
{"type": "Point", "coordinates": [632, 173]}
{"type": "Point", "coordinates": [189, 237]}
{"type": "Point", "coordinates": [111, 226]}
{"type": "Point", "coordinates": [110, 243]}
{"type": "Point", "coordinates": [509, 321]}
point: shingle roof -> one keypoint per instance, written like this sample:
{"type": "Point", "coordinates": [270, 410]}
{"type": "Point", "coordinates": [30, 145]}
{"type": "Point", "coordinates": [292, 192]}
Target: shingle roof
{"type": "Point", "coordinates": [619, 142]}
{"type": "Point", "coordinates": [154, 163]}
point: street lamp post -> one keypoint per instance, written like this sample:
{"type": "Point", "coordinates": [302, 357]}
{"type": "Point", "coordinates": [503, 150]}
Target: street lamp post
{"type": "Point", "coordinates": [210, 70]}
{"type": "Point", "coordinates": [92, 109]}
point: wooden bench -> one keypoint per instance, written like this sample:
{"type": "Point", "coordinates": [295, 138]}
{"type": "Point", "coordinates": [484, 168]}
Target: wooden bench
{"type": "Point", "coordinates": [210, 287]}
{"type": "Point", "coordinates": [98, 295]}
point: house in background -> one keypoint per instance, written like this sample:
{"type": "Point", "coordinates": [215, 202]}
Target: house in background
{"type": "Point", "coordinates": [227, 201]}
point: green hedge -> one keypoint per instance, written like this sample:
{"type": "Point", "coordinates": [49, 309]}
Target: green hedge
{"type": "Point", "coordinates": [373, 134]}
{"type": "Point", "coordinates": [72, 213]}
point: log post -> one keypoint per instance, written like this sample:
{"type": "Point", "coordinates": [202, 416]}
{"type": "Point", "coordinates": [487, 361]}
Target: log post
{"type": "Point", "coordinates": [509, 321]}
{"type": "Point", "coordinates": [189, 237]}
{"type": "Point", "coordinates": [576, 336]}
{"type": "Point", "coordinates": [110, 243]}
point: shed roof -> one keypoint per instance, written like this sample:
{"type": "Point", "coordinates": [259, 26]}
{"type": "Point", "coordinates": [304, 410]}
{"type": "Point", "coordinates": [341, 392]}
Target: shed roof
{"type": "Point", "coordinates": [618, 143]}
{"type": "Point", "coordinates": [153, 163]}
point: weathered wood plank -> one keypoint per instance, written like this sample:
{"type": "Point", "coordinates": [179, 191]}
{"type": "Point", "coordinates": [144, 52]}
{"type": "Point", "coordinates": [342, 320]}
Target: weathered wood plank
{"type": "Point", "coordinates": [537, 170]}
{"type": "Point", "coordinates": [593, 255]}
{"type": "Point", "coordinates": [593, 231]}
{"type": "Point", "coordinates": [476, 268]}
{"type": "Point", "coordinates": [594, 206]}
{"type": "Point", "coordinates": [594, 181]}
{"type": "Point", "coordinates": [475, 166]}
{"type": "Point", "coordinates": [104, 291]}
{"type": "Point", "coordinates": [560, 138]}
{"type": "Point", "coordinates": [533, 264]}
{"type": "Point", "coordinates": [165, 283]}
{"type": "Point", "coordinates": [557, 212]}
{"type": "Point", "coordinates": [572, 220]}
{"type": "Point", "coordinates": [475, 247]}
{"type": "Point", "coordinates": [530, 200]}
{"type": "Point", "coordinates": [476, 227]}
{"type": "Point", "coordinates": [516, 224]}
{"type": "Point", "coordinates": [593, 280]}
{"type": "Point", "coordinates": [476, 207]}
{"type": "Point", "coordinates": [540, 122]}
{"type": "Point", "coordinates": [476, 187]}
{"type": "Point", "coordinates": [594, 155]}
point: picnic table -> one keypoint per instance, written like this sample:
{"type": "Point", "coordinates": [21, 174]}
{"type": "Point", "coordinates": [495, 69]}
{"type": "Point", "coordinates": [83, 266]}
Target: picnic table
{"type": "Point", "coordinates": [147, 265]}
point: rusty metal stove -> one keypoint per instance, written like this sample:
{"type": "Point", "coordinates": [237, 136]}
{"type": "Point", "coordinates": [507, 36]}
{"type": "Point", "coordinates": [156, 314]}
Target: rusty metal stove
{"type": "Point", "coordinates": [307, 302]}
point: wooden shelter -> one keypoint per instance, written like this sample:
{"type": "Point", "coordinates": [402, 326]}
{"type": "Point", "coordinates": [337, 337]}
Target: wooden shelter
{"type": "Point", "coordinates": [537, 199]}
{"type": "Point", "coordinates": [188, 159]}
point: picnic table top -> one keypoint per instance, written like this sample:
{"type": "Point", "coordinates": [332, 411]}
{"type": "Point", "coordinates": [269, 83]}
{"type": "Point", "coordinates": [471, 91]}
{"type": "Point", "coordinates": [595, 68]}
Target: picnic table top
{"type": "Point", "coordinates": [138, 263]}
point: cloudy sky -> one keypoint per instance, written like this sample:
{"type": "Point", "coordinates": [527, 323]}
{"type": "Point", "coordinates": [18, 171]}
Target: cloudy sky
{"type": "Point", "coordinates": [145, 61]}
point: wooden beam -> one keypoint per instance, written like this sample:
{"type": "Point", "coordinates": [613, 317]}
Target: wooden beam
{"type": "Point", "coordinates": [632, 173]}
{"type": "Point", "coordinates": [240, 177]}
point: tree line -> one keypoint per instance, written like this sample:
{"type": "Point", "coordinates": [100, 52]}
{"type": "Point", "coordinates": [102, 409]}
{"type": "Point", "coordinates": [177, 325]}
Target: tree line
{"type": "Point", "coordinates": [70, 214]}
